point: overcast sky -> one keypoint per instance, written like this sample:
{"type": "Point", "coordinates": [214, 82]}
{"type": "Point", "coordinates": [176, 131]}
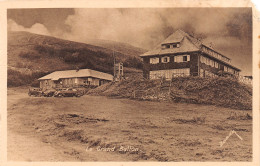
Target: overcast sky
{"type": "Point", "coordinates": [228, 29]}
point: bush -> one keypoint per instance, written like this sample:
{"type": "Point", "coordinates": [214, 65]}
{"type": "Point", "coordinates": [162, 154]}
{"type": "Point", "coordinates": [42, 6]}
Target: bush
{"type": "Point", "coordinates": [227, 92]}
{"type": "Point", "coordinates": [16, 78]}
{"type": "Point", "coordinates": [133, 62]}
{"type": "Point", "coordinates": [29, 55]}
{"type": "Point", "coordinates": [35, 83]}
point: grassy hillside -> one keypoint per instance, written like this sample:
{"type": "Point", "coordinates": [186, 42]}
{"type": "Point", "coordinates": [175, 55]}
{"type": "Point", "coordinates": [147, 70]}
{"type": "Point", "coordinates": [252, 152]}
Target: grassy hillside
{"type": "Point", "coordinates": [33, 55]}
{"type": "Point", "coordinates": [219, 91]}
{"type": "Point", "coordinates": [120, 47]}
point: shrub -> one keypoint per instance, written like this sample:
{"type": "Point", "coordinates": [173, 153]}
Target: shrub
{"type": "Point", "coordinates": [35, 83]}
{"type": "Point", "coordinates": [237, 116]}
{"type": "Point", "coordinates": [133, 62]}
{"type": "Point", "coordinates": [29, 55]}
{"type": "Point", "coordinates": [194, 120]}
{"type": "Point", "coordinates": [225, 92]}
{"type": "Point", "coordinates": [16, 78]}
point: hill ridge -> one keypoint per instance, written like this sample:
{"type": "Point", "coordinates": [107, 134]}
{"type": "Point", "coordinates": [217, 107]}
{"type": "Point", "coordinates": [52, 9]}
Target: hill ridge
{"type": "Point", "coordinates": [30, 53]}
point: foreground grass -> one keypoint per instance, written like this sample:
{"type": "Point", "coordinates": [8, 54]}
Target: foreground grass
{"type": "Point", "coordinates": [161, 131]}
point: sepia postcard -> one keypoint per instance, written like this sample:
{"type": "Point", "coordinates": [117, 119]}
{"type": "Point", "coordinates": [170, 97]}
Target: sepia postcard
{"type": "Point", "coordinates": [129, 82]}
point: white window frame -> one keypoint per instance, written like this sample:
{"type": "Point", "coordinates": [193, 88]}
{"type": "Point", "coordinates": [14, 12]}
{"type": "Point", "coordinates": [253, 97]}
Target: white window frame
{"type": "Point", "coordinates": [226, 68]}
{"type": "Point", "coordinates": [165, 57]}
{"type": "Point", "coordinates": [188, 58]}
{"type": "Point", "coordinates": [154, 60]}
{"type": "Point", "coordinates": [212, 63]}
{"type": "Point", "coordinates": [179, 58]}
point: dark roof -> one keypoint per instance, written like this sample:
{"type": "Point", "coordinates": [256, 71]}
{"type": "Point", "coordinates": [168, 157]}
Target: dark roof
{"type": "Point", "coordinates": [76, 74]}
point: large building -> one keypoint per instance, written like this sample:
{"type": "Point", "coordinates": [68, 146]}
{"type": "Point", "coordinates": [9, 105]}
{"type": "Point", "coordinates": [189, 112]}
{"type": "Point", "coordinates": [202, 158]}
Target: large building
{"type": "Point", "coordinates": [74, 78]}
{"type": "Point", "coordinates": [183, 55]}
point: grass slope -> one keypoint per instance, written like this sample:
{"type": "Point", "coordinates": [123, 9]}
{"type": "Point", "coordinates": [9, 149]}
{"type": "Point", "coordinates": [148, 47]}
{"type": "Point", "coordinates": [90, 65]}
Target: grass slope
{"type": "Point", "coordinates": [30, 54]}
{"type": "Point", "coordinates": [123, 48]}
{"type": "Point", "coordinates": [219, 91]}
{"type": "Point", "coordinates": [162, 131]}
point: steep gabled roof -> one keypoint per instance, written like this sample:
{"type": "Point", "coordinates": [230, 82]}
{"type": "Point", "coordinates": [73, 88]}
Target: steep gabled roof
{"type": "Point", "coordinates": [177, 36]}
{"type": "Point", "coordinates": [185, 46]}
{"type": "Point", "coordinates": [76, 74]}
{"type": "Point", "coordinates": [188, 44]}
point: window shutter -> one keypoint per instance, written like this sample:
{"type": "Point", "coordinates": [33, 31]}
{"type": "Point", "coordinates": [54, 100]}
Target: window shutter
{"type": "Point", "coordinates": [188, 57]}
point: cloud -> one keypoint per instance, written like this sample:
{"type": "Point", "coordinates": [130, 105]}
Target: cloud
{"type": "Point", "coordinates": [137, 27]}
{"type": "Point", "coordinates": [229, 29]}
{"type": "Point", "coordinates": [148, 27]}
{"type": "Point", "coordinates": [35, 28]}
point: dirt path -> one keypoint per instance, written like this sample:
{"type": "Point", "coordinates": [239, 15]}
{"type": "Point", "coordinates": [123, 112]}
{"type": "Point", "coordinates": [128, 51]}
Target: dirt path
{"type": "Point", "coordinates": [61, 129]}
{"type": "Point", "coordinates": [26, 146]}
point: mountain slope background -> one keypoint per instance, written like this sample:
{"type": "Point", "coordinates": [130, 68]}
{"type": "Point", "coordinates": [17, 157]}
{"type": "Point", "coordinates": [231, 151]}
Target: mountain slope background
{"type": "Point", "coordinates": [31, 56]}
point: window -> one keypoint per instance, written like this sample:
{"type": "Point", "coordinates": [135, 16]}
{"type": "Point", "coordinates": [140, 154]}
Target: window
{"type": "Point", "coordinates": [169, 74]}
{"type": "Point", "coordinates": [154, 60]}
{"type": "Point", "coordinates": [166, 46]}
{"type": "Point", "coordinates": [216, 65]}
{"type": "Point", "coordinates": [225, 68]}
{"type": "Point", "coordinates": [231, 70]}
{"type": "Point", "coordinates": [180, 72]}
{"type": "Point", "coordinates": [178, 59]}
{"type": "Point", "coordinates": [175, 45]}
{"type": "Point", "coordinates": [211, 63]}
{"type": "Point", "coordinates": [209, 74]}
{"type": "Point", "coordinates": [182, 58]}
{"type": "Point", "coordinates": [207, 61]}
{"type": "Point", "coordinates": [170, 45]}
{"type": "Point", "coordinates": [185, 59]}
{"type": "Point", "coordinates": [165, 59]}
{"type": "Point", "coordinates": [202, 59]}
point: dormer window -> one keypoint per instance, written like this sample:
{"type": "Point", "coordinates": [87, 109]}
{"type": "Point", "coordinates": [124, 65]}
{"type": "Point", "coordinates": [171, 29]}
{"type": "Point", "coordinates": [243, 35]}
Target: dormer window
{"type": "Point", "coordinates": [170, 45]}
{"type": "Point", "coordinates": [164, 46]}
{"type": "Point", "coordinates": [175, 45]}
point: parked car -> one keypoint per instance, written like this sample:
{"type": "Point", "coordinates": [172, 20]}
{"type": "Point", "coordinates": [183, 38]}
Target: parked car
{"type": "Point", "coordinates": [68, 92]}
{"type": "Point", "coordinates": [35, 92]}
{"type": "Point", "coordinates": [49, 93]}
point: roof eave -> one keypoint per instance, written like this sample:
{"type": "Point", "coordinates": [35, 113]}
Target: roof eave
{"type": "Point", "coordinates": [150, 55]}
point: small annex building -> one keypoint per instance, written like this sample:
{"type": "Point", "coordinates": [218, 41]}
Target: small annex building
{"type": "Point", "coordinates": [181, 54]}
{"type": "Point", "coordinates": [74, 78]}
